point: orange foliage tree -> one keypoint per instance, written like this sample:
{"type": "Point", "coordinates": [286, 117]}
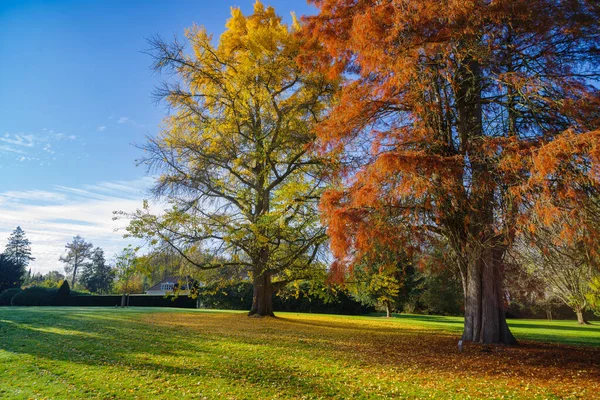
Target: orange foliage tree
{"type": "Point", "coordinates": [457, 121]}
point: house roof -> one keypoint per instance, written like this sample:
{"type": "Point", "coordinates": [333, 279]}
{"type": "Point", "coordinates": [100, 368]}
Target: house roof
{"type": "Point", "coordinates": [169, 279]}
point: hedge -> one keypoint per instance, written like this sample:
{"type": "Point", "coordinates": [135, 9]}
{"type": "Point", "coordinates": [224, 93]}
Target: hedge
{"type": "Point", "coordinates": [42, 296]}
{"type": "Point", "coordinates": [234, 297]}
{"type": "Point", "coordinates": [239, 297]}
{"type": "Point", "coordinates": [39, 296]}
{"type": "Point", "coordinates": [344, 305]}
{"type": "Point", "coordinates": [135, 300]}
{"type": "Point", "coordinates": [7, 295]}
{"type": "Point", "coordinates": [35, 296]}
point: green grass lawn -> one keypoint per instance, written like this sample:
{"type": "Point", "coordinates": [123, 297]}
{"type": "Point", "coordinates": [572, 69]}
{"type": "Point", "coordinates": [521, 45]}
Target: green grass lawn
{"type": "Point", "coordinates": [106, 353]}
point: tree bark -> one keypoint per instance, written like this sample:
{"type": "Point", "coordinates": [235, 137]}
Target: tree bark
{"type": "Point", "coordinates": [262, 299]}
{"type": "Point", "coordinates": [388, 309]}
{"type": "Point", "coordinates": [472, 325]}
{"type": "Point", "coordinates": [580, 318]}
{"type": "Point", "coordinates": [482, 248]}
{"type": "Point", "coordinates": [485, 319]}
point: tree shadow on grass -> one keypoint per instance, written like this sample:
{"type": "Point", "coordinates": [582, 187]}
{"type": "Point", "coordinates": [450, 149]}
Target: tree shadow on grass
{"type": "Point", "coordinates": [394, 344]}
{"type": "Point", "coordinates": [357, 325]}
{"type": "Point", "coordinates": [579, 328]}
{"type": "Point", "coordinates": [119, 345]}
{"type": "Point", "coordinates": [436, 319]}
{"type": "Point", "coordinates": [264, 352]}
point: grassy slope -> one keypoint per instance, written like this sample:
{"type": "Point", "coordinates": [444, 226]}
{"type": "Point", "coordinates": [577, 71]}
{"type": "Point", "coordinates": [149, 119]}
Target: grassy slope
{"type": "Point", "coordinates": [167, 353]}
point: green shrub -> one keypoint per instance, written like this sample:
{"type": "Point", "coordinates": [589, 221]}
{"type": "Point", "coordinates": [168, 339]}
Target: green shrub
{"type": "Point", "coordinates": [35, 296]}
{"type": "Point", "coordinates": [7, 295]}
{"type": "Point", "coordinates": [64, 289]}
{"type": "Point", "coordinates": [136, 300]}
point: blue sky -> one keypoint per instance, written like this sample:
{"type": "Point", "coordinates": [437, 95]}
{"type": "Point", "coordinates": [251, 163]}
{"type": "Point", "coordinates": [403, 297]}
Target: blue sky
{"type": "Point", "coordinates": [75, 95]}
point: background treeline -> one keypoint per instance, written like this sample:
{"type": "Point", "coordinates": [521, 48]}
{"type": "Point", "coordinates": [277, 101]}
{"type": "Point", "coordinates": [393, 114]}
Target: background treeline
{"type": "Point", "coordinates": [409, 286]}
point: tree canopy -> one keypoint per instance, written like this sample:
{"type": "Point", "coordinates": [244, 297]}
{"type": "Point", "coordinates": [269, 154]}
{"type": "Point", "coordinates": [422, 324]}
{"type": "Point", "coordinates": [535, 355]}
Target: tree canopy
{"type": "Point", "coordinates": [78, 255]}
{"type": "Point", "coordinates": [457, 122]}
{"type": "Point", "coordinates": [234, 153]}
{"type": "Point", "coordinates": [18, 248]}
{"type": "Point", "coordinates": [97, 275]}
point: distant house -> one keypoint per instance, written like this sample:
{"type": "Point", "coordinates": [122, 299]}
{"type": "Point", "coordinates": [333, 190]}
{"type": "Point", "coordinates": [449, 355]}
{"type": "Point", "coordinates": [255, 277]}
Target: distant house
{"type": "Point", "coordinates": [170, 284]}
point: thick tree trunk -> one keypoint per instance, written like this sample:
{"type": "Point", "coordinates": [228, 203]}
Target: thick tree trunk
{"type": "Point", "coordinates": [472, 326]}
{"type": "Point", "coordinates": [485, 320]}
{"type": "Point", "coordinates": [262, 299]}
{"type": "Point", "coordinates": [580, 319]}
{"type": "Point", "coordinates": [388, 309]}
{"type": "Point", "coordinates": [549, 315]}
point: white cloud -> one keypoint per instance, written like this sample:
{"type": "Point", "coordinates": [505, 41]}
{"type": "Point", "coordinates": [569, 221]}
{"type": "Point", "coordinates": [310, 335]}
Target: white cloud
{"type": "Point", "coordinates": [32, 146]}
{"type": "Point", "coordinates": [19, 139]}
{"type": "Point", "coordinates": [48, 148]}
{"type": "Point", "coordinates": [101, 128]}
{"type": "Point", "coordinates": [9, 149]}
{"type": "Point", "coordinates": [37, 195]}
{"type": "Point", "coordinates": [129, 121]}
{"type": "Point", "coordinates": [50, 219]}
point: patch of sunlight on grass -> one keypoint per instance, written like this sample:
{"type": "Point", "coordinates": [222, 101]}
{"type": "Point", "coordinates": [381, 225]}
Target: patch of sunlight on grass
{"type": "Point", "coordinates": [190, 354]}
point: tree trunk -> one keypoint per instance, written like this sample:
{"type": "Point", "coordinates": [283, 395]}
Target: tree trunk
{"type": "Point", "coordinates": [485, 320]}
{"type": "Point", "coordinates": [549, 315]}
{"type": "Point", "coordinates": [262, 299]}
{"type": "Point", "coordinates": [73, 279]}
{"type": "Point", "coordinates": [580, 319]}
{"type": "Point", "coordinates": [388, 309]}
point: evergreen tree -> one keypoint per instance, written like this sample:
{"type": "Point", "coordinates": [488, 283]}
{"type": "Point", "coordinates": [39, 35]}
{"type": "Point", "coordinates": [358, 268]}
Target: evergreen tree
{"type": "Point", "coordinates": [18, 249]}
{"type": "Point", "coordinates": [97, 276]}
{"type": "Point", "coordinates": [64, 289]}
{"type": "Point", "coordinates": [11, 274]}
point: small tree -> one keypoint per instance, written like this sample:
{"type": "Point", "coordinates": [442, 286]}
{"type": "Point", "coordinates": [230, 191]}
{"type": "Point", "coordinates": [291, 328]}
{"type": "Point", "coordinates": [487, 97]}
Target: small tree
{"type": "Point", "coordinates": [18, 248]}
{"type": "Point", "coordinates": [11, 274]}
{"type": "Point", "coordinates": [78, 254]}
{"type": "Point", "coordinates": [380, 289]}
{"type": "Point", "coordinates": [378, 283]}
{"type": "Point", "coordinates": [128, 278]}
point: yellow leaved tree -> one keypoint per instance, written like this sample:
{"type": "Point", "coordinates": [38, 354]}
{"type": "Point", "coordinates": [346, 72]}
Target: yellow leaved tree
{"type": "Point", "coordinates": [234, 153]}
